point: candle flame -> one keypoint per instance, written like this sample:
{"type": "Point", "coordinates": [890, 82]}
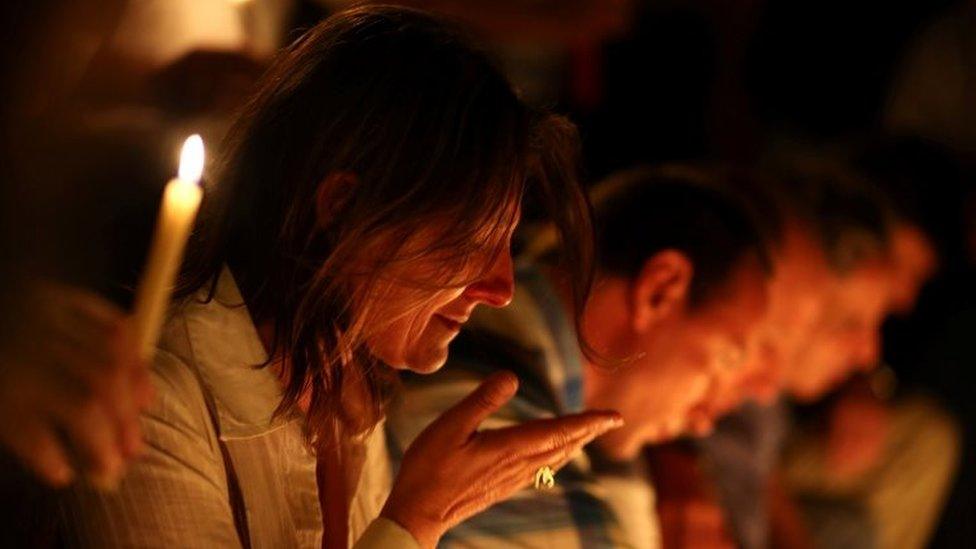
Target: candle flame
{"type": "Point", "coordinates": [191, 159]}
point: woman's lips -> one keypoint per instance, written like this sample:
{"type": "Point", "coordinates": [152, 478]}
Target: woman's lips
{"type": "Point", "coordinates": [452, 324]}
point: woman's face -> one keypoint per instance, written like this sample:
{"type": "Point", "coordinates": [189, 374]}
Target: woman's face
{"type": "Point", "coordinates": [415, 324]}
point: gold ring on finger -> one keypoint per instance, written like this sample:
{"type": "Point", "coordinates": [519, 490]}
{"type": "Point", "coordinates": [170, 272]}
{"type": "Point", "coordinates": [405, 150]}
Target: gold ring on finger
{"type": "Point", "coordinates": [544, 478]}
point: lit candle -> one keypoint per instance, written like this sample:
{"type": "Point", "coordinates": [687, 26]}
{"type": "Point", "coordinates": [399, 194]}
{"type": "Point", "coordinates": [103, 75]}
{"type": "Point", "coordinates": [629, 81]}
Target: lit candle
{"type": "Point", "coordinates": [181, 200]}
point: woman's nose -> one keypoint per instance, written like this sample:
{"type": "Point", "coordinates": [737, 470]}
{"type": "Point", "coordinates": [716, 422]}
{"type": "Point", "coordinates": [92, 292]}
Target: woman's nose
{"type": "Point", "coordinates": [497, 287]}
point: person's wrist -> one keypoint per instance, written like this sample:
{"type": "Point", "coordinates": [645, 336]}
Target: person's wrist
{"type": "Point", "coordinates": [425, 531]}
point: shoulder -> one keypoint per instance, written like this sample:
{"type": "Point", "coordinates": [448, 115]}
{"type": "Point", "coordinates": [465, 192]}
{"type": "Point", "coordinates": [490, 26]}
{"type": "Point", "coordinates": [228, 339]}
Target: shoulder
{"type": "Point", "coordinates": [179, 400]}
{"type": "Point", "coordinates": [178, 479]}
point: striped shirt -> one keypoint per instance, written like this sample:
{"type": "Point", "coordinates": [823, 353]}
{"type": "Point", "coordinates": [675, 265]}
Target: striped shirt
{"type": "Point", "coordinates": [742, 455]}
{"type": "Point", "coordinates": [534, 338]}
{"type": "Point", "coordinates": [220, 469]}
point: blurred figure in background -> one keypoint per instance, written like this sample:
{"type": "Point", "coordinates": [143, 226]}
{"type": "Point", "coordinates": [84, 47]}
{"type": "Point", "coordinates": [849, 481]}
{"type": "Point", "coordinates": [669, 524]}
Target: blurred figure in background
{"type": "Point", "coordinates": [71, 384]}
{"type": "Point", "coordinates": [545, 47]}
{"type": "Point", "coordinates": [85, 220]}
{"type": "Point", "coordinates": [76, 208]}
{"type": "Point", "coordinates": [931, 93]}
{"type": "Point", "coordinates": [930, 348]}
{"type": "Point", "coordinates": [101, 91]}
{"type": "Point", "coordinates": [681, 293]}
{"type": "Point", "coordinates": [745, 446]}
{"type": "Point", "coordinates": [174, 67]}
{"type": "Point", "coordinates": [849, 464]}
{"type": "Point", "coordinates": [889, 458]}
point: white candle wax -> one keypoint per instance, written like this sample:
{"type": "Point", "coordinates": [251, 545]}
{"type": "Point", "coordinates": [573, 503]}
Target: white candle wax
{"type": "Point", "coordinates": [181, 200]}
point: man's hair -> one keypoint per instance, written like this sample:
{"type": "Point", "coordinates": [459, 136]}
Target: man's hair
{"type": "Point", "coordinates": [848, 216]}
{"type": "Point", "coordinates": [926, 184]}
{"type": "Point", "coordinates": [644, 211]}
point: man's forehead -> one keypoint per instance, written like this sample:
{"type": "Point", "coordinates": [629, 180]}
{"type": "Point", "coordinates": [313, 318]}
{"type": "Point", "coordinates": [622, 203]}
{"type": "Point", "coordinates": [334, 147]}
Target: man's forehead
{"type": "Point", "coordinates": [868, 277]}
{"type": "Point", "coordinates": [750, 289]}
{"type": "Point", "coordinates": [862, 293]}
{"type": "Point", "coordinates": [801, 261]}
{"type": "Point", "coordinates": [738, 313]}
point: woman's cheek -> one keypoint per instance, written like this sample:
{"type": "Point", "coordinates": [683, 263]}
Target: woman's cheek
{"type": "Point", "coordinates": [390, 344]}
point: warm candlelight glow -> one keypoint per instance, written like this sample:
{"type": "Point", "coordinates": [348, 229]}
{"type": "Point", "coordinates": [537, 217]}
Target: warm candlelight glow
{"type": "Point", "coordinates": [191, 159]}
{"type": "Point", "coordinates": [181, 199]}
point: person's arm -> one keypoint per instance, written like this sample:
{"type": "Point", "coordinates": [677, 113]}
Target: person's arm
{"type": "Point", "coordinates": [176, 494]}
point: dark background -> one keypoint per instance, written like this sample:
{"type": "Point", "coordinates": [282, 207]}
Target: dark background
{"type": "Point", "coordinates": [646, 81]}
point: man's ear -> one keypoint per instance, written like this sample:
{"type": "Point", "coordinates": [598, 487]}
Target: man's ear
{"type": "Point", "coordinates": [659, 288]}
{"type": "Point", "coordinates": [332, 196]}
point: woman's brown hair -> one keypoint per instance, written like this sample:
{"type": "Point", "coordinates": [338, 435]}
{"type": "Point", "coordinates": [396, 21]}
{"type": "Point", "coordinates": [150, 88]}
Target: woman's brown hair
{"type": "Point", "coordinates": [422, 128]}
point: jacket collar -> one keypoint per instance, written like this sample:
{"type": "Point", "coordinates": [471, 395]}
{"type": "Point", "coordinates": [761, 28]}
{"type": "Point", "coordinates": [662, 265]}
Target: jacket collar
{"type": "Point", "coordinates": [226, 350]}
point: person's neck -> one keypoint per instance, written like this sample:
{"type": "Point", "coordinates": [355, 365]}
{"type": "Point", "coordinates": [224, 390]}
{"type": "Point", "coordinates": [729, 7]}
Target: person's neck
{"type": "Point", "coordinates": [278, 364]}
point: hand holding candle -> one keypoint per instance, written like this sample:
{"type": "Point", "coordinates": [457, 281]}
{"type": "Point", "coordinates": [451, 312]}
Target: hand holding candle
{"type": "Point", "coordinates": [92, 429]}
{"type": "Point", "coordinates": [181, 200]}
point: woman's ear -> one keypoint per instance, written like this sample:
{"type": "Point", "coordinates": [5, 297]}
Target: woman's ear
{"type": "Point", "coordinates": [659, 288]}
{"type": "Point", "coordinates": [332, 195]}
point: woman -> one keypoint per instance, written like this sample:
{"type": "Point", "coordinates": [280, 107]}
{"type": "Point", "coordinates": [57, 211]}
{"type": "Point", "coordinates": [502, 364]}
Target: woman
{"type": "Point", "coordinates": [365, 207]}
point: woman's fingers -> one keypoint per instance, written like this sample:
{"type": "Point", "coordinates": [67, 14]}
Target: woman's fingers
{"type": "Point", "coordinates": [543, 435]}
{"type": "Point", "coordinates": [519, 452]}
{"type": "Point", "coordinates": [460, 421]}
{"type": "Point", "coordinates": [525, 469]}
{"type": "Point", "coordinates": [495, 488]}
{"type": "Point", "coordinates": [452, 470]}
{"type": "Point", "coordinates": [510, 479]}
{"type": "Point", "coordinates": [37, 447]}
{"type": "Point", "coordinates": [556, 458]}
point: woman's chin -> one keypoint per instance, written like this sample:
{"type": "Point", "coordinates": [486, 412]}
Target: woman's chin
{"type": "Point", "coordinates": [424, 368]}
{"type": "Point", "coordinates": [426, 362]}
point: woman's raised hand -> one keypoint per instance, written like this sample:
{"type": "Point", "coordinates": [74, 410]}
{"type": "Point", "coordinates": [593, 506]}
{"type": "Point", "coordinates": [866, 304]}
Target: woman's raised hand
{"type": "Point", "coordinates": [453, 471]}
{"type": "Point", "coordinates": [72, 387]}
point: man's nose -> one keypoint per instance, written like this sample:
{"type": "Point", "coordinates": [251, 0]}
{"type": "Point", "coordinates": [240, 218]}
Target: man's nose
{"type": "Point", "coordinates": [497, 286]}
{"type": "Point", "coordinates": [869, 350]}
{"type": "Point", "coordinates": [772, 362]}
